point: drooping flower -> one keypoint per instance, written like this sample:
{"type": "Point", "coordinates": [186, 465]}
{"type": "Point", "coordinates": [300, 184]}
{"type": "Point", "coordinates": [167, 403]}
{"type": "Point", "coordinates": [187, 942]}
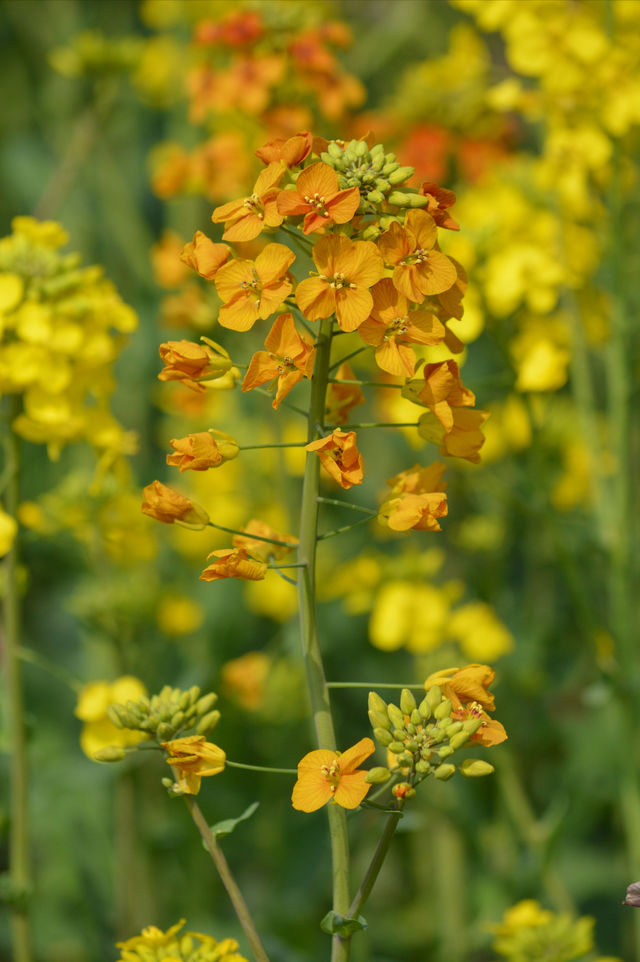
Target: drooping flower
{"type": "Point", "coordinates": [319, 198]}
{"type": "Point", "coordinates": [440, 199]}
{"type": "Point", "coordinates": [233, 563]}
{"type": "Point", "coordinates": [465, 438]}
{"type": "Point", "coordinates": [391, 327]}
{"type": "Point", "coordinates": [190, 363]}
{"type": "Point", "coordinates": [247, 217]}
{"type": "Point", "coordinates": [169, 506]}
{"type": "Point", "coordinates": [253, 289]}
{"type": "Point", "coordinates": [326, 776]}
{"type": "Point", "coordinates": [193, 758]}
{"type": "Point", "coordinates": [419, 269]}
{"type": "Point", "coordinates": [346, 271]}
{"type": "Point", "coordinates": [440, 389]}
{"type": "Point", "coordinates": [198, 452]}
{"type": "Point", "coordinates": [417, 499]}
{"type": "Point", "coordinates": [264, 550]}
{"type": "Point", "coordinates": [288, 358]}
{"type": "Point", "coordinates": [340, 458]}
{"type": "Point", "coordinates": [342, 398]}
{"type": "Point", "coordinates": [204, 256]}
{"type": "Point", "coordinates": [291, 151]}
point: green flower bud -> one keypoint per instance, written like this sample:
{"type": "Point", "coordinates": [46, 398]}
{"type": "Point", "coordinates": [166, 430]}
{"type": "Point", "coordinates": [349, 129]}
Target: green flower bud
{"type": "Point", "coordinates": [454, 728]}
{"type": "Point", "coordinates": [377, 151]}
{"type": "Point", "coordinates": [396, 747]}
{"type": "Point", "coordinates": [445, 751]}
{"type": "Point", "coordinates": [143, 702]}
{"type": "Point", "coordinates": [412, 745]}
{"type": "Point", "coordinates": [407, 701]}
{"type": "Point", "coordinates": [403, 790]}
{"type": "Point", "coordinates": [389, 166]}
{"type": "Point", "coordinates": [184, 701]}
{"type": "Point", "coordinates": [377, 162]}
{"type": "Point", "coordinates": [417, 200]}
{"type": "Point", "coordinates": [399, 734]}
{"type": "Point", "coordinates": [444, 772]}
{"type": "Point", "coordinates": [205, 704]}
{"type": "Point", "coordinates": [155, 701]}
{"type": "Point", "coordinates": [167, 782]}
{"type": "Point", "coordinates": [207, 722]}
{"type": "Point", "coordinates": [475, 768]}
{"type": "Point", "coordinates": [334, 150]}
{"type": "Point", "coordinates": [367, 178]}
{"type": "Point", "coordinates": [165, 692]}
{"type": "Point", "coordinates": [372, 232]}
{"type": "Point", "coordinates": [472, 725]}
{"type": "Point", "coordinates": [377, 776]}
{"type": "Point", "coordinates": [375, 197]}
{"type": "Point", "coordinates": [458, 740]}
{"type": "Point", "coordinates": [110, 754]}
{"type": "Point", "coordinates": [164, 732]}
{"type": "Point", "coordinates": [382, 184]}
{"type": "Point", "coordinates": [426, 754]}
{"type": "Point", "coordinates": [376, 703]}
{"type": "Point", "coordinates": [437, 735]}
{"type": "Point", "coordinates": [405, 760]}
{"type": "Point", "coordinates": [443, 710]}
{"type": "Point", "coordinates": [401, 174]}
{"type": "Point", "coordinates": [433, 696]}
{"type": "Point", "coordinates": [424, 709]}
{"type": "Point", "coordinates": [410, 728]}
{"type": "Point", "coordinates": [361, 148]}
{"type": "Point", "coordinates": [396, 717]}
{"type": "Point", "coordinates": [382, 736]}
{"type": "Point", "coordinates": [186, 946]}
{"type": "Point", "coordinates": [113, 714]}
{"type": "Point", "coordinates": [423, 767]}
{"type": "Point", "coordinates": [194, 694]}
{"type": "Point", "coordinates": [177, 720]}
{"type": "Point", "coordinates": [152, 722]}
{"type": "Point", "coordinates": [378, 719]}
{"type": "Point", "coordinates": [416, 717]}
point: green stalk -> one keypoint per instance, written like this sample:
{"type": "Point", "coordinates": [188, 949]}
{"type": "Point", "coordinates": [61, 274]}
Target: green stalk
{"type": "Point", "coordinates": [230, 884]}
{"type": "Point", "coordinates": [318, 691]}
{"type": "Point", "coordinates": [19, 871]}
{"type": "Point", "coordinates": [375, 865]}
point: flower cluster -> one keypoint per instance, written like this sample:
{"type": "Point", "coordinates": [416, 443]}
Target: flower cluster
{"type": "Point", "coordinates": [62, 326]}
{"type": "Point", "coordinates": [154, 945]}
{"type": "Point", "coordinates": [167, 714]}
{"type": "Point", "coordinates": [529, 932]}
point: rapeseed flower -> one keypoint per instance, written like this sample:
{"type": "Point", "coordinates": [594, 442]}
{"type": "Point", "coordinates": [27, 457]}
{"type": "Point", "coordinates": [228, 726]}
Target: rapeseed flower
{"type": "Point", "coordinates": [247, 217]}
{"type": "Point", "coordinates": [319, 198]}
{"type": "Point", "coordinates": [198, 452]}
{"type": "Point", "coordinates": [204, 256]}
{"type": "Point", "coordinates": [440, 389]}
{"type": "Point", "coordinates": [98, 731]}
{"type": "Point", "coordinates": [419, 270]}
{"type": "Point", "coordinates": [288, 358]}
{"type": "Point", "coordinates": [169, 946]}
{"type": "Point", "coordinates": [253, 289]}
{"type": "Point", "coordinates": [233, 563]}
{"type": "Point", "coordinates": [254, 531]}
{"type": "Point", "coordinates": [193, 758]}
{"type": "Point", "coordinates": [340, 458]}
{"type": "Point", "coordinates": [166, 505]}
{"type": "Point", "coordinates": [190, 363]}
{"type": "Point", "coordinates": [327, 776]}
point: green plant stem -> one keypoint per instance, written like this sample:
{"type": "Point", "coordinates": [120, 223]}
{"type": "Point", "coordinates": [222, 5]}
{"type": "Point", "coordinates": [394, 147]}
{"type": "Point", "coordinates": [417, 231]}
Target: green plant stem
{"type": "Point", "coordinates": [254, 537]}
{"type": "Point", "coordinates": [371, 685]}
{"type": "Point", "coordinates": [345, 527]}
{"type": "Point", "coordinates": [375, 865]}
{"type": "Point", "coordinates": [19, 869]}
{"type": "Point", "coordinates": [346, 504]}
{"type": "Point", "coordinates": [379, 424]}
{"type": "Point", "coordinates": [318, 691]}
{"type": "Point", "coordinates": [262, 768]}
{"type": "Point", "coordinates": [276, 444]}
{"type": "Point", "coordinates": [337, 380]}
{"type": "Point", "coordinates": [347, 357]}
{"type": "Point", "coordinates": [230, 884]}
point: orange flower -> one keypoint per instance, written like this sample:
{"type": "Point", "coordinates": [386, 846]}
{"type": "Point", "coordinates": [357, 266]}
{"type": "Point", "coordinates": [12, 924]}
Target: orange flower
{"type": "Point", "coordinates": [419, 270]}
{"type": "Point", "coordinates": [441, 390]}
{"type": "Point", "coordinates": [439, 200]}
{"type": "Point", "coordinates": [253, 289]}
{"type": "Point", "coordinates": [347, 269]}
{"type": "Point", "coordinates": [392, 326]}
{"type": "Point", "coordinates": [264, 550]}
{"type": "Point", "coordinates": [342, 398]}
{"type": "Point", "coordinates": [233, 563]}
{"type": "Point", "coordinates": [166, 505]}
{"type": "Point", "coordinates": [204, 256]}
{"type": "Point", "coordinates": [168, 271]}
{"type": "Point", "coordinates": [193, 758]}
{"type": "Point", "coordinates": [200, 451]}
{"type": "Point", "coordinates": [238, 28]}
{"type": "Point", "coordinates": [340, 458]}
{"type": "Point", "coordinates": [451, 301]}
{"type": "Point", "coordinates": [467, 689]}
{"type": "Point", "coordinates": [245, 679]}
{"type": "Point", "coordinates": [417, 499]}
{"type": "Point", "coordinates": [465, 438]}
{"type": "Point", "coordinates": [326, 776]}
{"type": "Point", "coordinates": [291, 151]}
{"type": "Point", "coordinates": [317, 195]}
{"type": "Point", "coordinates": [245, 218]}
{"type": "Point", "coordinates": [190, 363]}
{"type": "Point", "coordinates": [288, 358]}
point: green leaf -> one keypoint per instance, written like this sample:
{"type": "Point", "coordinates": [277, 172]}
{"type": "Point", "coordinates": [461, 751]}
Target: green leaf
{"type": "Point", "coordinates": [335, 924]}
{"type": "Point", "coordinates": [227, 825]}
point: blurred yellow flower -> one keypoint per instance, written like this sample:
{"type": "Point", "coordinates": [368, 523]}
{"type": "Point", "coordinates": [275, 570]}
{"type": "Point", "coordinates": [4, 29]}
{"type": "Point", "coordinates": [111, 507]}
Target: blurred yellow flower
{"type": "Point", "coordinates": [93, 700]}
{"type": "Point", "coordinates": [245, 677]}
{"type": "Point", "coordinates": [178, 615]}
{"type": "Point", "coordinates": [168, 946]}
{"type": "Point", "coordinates": [8, 530]}
{"type": "Point", "coordinates": [480, 633]}
{"type": "Point", "coordinates": [410, 614]}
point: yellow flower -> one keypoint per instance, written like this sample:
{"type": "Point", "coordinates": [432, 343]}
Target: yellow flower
{"type": "Point", "coordinates": [166, 505]}
{"type": "Point", "coordinates": [326, 776]}
{"type": "Point", "coordinates": [193, 758]}
{"type": "Point", "coordinates": [8, 530]}
{"type": "Point", "coordinates": [178, 615]}
{"type": "Point", "coordinates": [169, 946]}
{"type": "Point", "coordinates": [245, 678]}
{"type": "Point", "coordinates": [93, 700]}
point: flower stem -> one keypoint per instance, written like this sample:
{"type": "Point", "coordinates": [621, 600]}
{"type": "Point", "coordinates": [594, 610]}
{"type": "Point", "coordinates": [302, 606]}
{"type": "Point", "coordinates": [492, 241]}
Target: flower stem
{"type": "Point", "coordinates": [376, 864]}
{"type": "Point", "coordinates": [254, 537]}
{"type": "Point", "coordinates": [230, 884]}
{"type": "Point", "coordinates": [345, 527]}
{"type": "Point", "coordinates": [347, 504]}
{"type": "Point", "coordinates": [276, 444]}
{"type": "Point", "coordinates": [19, 871]}
{"type": "Point", "coordinates": [262, 768]}
{"type": "Point", "coordinates": [371, 685]}
{"type": "Point", "coordinates": [337, 380]}
{"type": "Point", "coordinates": [318, 691]}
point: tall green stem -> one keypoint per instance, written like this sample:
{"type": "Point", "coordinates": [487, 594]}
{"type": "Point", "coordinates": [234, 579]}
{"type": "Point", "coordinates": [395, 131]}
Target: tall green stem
{"type": "Point", "coordinates": [319, 693]}
{"type": "Point", "coordinates": [19, 826]}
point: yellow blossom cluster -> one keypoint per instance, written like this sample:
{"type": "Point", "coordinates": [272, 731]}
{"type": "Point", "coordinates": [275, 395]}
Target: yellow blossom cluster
{"type": "Point", "coordinates": [61, 327]}
{"type": "Point", "coordinates": [154, 945]}
{"type": "Point", "coordinates": [529, 932]}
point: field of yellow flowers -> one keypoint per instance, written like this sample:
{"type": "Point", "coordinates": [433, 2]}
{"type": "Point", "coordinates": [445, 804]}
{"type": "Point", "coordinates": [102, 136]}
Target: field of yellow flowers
{"type": "Point", "coordinates": [318, 520]}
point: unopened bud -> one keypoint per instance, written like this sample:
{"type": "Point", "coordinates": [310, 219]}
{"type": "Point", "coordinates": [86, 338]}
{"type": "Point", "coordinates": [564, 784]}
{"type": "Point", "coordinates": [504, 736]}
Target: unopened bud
{"type": "Point", "coordinates": [418, 200]}
{"type": "Point", "coordinates": [396, 717]}
{"type": "Point", "coordinates": [416, 717]}
{"type": "Point", "coordinates": [194, 694]}
{"type": "Point", "coordinates": [422, 767]}
{"type": "Point", "coordinates": [445, 751]}
{"type": "Point", "coordinates": [184, 701]}
{"type": "Point", "coordinates": [400, 175]}
{"type": "Point", "coordinates": [403, 790]}
{"type": "Point", "coordinates": [110, 754]}
{"type": "Point", "coordinates": [204, 705]}
{"type": "Point", "coordinates": [444, 772]}
{"type": "Point", "coordinates": [164, 731]}
{"type": "Point", "coordinates": [378, 719]}
{"type": "Point", "coordinates": [113, 714]}
{"type": "Point", "coordinates": [375, 197]}
{"type": "Point", "coordinates": [377, 776]}
{"type": "Point", "coordinates": [334, 150]}
{"type": "Point", "coordinates": [457, 741]}
{"type": "Point", "coordinates": [382, 736]}
{"type": "Point", "coordinates": [443, 710]}
{"type": "Point", "coordinates": [396, 747]}
{"type": "Point", "coordinates": [376, 703]}
{"type": "Point", "coordinates": [433, 697]}
{"type": "Point", "coordinates": [472, 725]}
{"type": "Point", "coordinates": [476, 767]}
{"type": "Point", "coordinates": [207, 722]}
{"type": "Point", "coordinates": [177, 720]}
{"type": "Point", "coordinates": [407, 701]}
{"type": "Point", "coordinates": [424, 709]}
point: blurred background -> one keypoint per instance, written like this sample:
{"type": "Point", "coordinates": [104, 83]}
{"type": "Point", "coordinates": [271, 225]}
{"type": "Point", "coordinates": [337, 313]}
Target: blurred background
{"type": "Point", "coordinates": [128, 123]}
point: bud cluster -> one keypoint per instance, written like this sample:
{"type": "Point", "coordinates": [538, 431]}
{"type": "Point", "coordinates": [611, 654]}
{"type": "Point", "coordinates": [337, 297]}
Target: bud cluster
{"type": "Point", "coordinates": [168, 714]}
{"type": "Point", "coordinates": [422, 737]}
{"type": "Point", "coordinates": [375, 173]}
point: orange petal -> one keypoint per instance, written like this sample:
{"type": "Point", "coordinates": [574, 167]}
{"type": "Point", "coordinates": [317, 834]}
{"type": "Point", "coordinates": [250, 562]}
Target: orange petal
{"type": "Point", "coordinates": [244, 229]}
{"type": "Point", "coordinates": [355, 755]}
{"type": "Point", "coordinates": [395, 358]}
{"type": "Point", "coordinates": [230, 278]}
{"type": "Point", "coordinates": [272, 297]}
{"type": "Point", "coordinates": [317, 179]}
{"type": "Point", "coordinates": [238, 315]}
{"type": "Point", "coordinates": [269, 177]}
{"type": "Point", "coordinates": [362, 263]}
{"type": "Point", "coordinates": [351, 790]}
{"type": "Point", "coordinates": [291, 204]}
{"type": "Point", "coordinates": [328, 251]}
{"type": "Point", "coordinates": [315, 298]}
{"type": "Point", "coordinates": [343, 206]}
{"type": "Point", "coordinates": [283, 338]}
{"type": "Point", "coordinates": [353, 307]}
{"type": "Point", "coordinates": [437, 274]}
{"type": "Point", "coordinates": [273, 262]}
{"type": "Point", "coordinates": [310, 793]}
{"type": "Point", "coordinates": [262, 368]}
{"type": "Point", "coordinates": [423, 227]}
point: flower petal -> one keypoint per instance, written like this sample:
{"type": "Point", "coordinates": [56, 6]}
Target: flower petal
{"type": "Point", "coordinates": [355, 755]}
{"type": "Point", "coordinates": [315, 298]}
{"type": "Point", "coordinates": [351, 790]}
{"type": "Point", "coordinates": [273, 262]}
{"type": "Point", "coordinates": [353, 307]}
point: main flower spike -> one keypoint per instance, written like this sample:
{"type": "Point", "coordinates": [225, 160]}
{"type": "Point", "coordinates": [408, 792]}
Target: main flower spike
{"type": "Point", "coordinates": [193, 758]}
{"type": "Point", "coordinates": [319, 198]}
{"type": "Point", "coordinates": [346, 271]}
{"type": "Point", "coordinates": [288, 358]}
{"type": "Point", "coordinates": [326, 776]}
{"type": "Point", "coordinates": [253, 289]}
{"type": "Point", "coordinates": [244, 219]}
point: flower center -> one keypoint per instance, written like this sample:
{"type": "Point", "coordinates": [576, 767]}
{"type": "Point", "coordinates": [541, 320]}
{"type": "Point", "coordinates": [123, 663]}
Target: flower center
{"type": "Point", "coordinates": [337, 282]}
{"type": "Point", "coordinates": [419, 256]}
{"type": "Point", "coordinates": [332, 774]}
{"type": "Point", "coordinates": [318, 202]}
{"type": "Point", "coordinates": [254, 284]}
{"type": "Point", "coordinates": [399, 325]}
{"type": "Point", "coordinates": [254, 205]}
